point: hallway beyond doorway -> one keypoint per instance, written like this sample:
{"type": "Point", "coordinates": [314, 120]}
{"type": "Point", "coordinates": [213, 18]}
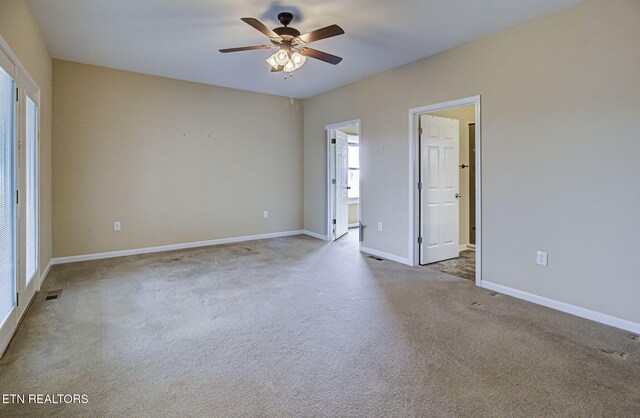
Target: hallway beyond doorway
{"type": "Point", "coordinates": [464, 266]}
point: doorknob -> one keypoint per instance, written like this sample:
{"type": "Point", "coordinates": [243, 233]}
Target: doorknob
{"type": "Point", "coordinates": [458, 195]}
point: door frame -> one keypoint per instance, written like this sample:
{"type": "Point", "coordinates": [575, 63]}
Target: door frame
{"type": "Point", "coordinates": [414, 210]}
{"type": "Point", "coordinates": [329, 199]}
{"type": "Point", "coordinates": [27, 286]}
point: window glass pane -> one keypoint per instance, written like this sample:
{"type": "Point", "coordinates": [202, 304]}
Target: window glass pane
{"type": "Point", "coordinates": [354, 156]}
{"type": "Point", "coordinates": [31, 149]}
{"type": "Point", "coordinates": [354, 184]}
{"type": "Point", "coordinates": [7, 194]}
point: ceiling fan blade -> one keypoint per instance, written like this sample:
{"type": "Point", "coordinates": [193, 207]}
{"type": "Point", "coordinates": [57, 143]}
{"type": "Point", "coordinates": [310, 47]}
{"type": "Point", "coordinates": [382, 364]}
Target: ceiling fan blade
{"type": "Point", "coordinates": [277, 70]}
{"type": "Point", "coordinates": [322, 56]}
{"type": "Point", "coordinates": [255, 23]}
{"type": "Point", "coordinates": [245, 48]}
{"type": "Point", "coordinates": [316, 35]}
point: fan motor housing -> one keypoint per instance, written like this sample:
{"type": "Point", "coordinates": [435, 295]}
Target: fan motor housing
{"type": "Point", "coordinates": [287, 31]}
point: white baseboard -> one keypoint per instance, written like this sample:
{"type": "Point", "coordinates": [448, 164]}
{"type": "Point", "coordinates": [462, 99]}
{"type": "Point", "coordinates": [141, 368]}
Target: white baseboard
{"type": "Point", "coordinates": [564, 307]}
{"type": "Point", "coordinates": [464, 247]}
{"type": "Point", "coordinates": [382, 254]}
{"type": "Point", "coordinates": [123, 253]}
{"type": "Point", "coordinates": [44, 273]}
{"type": "Point", "coordinates": [355, 225]}
{"type": "Point", "coordinates": [471, 246]}
{"type": "Point", "coordinates": [315, 235]}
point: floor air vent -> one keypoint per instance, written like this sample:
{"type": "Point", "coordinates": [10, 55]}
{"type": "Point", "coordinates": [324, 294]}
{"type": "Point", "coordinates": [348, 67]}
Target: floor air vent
{"type": "Point", "coordinates": [53, 295]}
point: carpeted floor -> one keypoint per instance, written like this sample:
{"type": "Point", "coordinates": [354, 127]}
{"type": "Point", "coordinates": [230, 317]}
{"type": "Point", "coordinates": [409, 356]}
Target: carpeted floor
{"type": "Point", "coordinates": [464, 266]}
{"type": "Point", "coordinates": [297, 327]}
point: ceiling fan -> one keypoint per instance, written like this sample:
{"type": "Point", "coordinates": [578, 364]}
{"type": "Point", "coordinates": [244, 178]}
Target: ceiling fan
{"type": "Point", "coordinates": [293, 50]}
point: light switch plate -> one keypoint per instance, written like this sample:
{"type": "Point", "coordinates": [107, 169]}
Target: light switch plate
{"type": "Point", "coordinates": [117, 226]}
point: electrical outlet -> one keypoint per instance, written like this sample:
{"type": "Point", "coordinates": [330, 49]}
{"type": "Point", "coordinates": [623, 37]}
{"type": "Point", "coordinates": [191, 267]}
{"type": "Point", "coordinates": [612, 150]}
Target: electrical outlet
{"type": "Point", "coordinates": [541, 258]}
{"type": "Point", "coordinates": [380, 226]}
{"type": "Point", "coordinates": [265, 214]}
{"type": "Point", "coordinates": [117, 226]}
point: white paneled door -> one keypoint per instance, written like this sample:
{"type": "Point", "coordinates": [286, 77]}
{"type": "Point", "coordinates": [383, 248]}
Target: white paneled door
{"type": "Point", "coordinates": [439, 189]}
{"type": "Point", "coordinates": [342, 185]}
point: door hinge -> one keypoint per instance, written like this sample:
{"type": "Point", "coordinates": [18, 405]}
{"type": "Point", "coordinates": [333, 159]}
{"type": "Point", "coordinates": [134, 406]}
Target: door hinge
{"type": "Point", "coordinates": [333, 181]}
{"type": "Point", "coordinates": [419, 240]}
{"type": "Point", "coordinates": [17, 95]}
{"type": "Point", "coordinates": [17, 299]}
{"type": "Point", "coordinates": [334, 221]}
{"type": "Point", "coordinates": [419, 185]}
{"type": "Point", "coordinates": [420, 130]}
{"type": "Point", "coordinates": [333, 140]}
{"type": "Point", "coordinates": [17, 197]}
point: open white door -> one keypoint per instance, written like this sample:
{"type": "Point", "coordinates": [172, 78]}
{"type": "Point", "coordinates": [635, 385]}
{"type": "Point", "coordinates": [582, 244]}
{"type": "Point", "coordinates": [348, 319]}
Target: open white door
{"type": "Point", "coordinates": [342, 185]}
{"type": "Point", "coordinates": [439, 183]}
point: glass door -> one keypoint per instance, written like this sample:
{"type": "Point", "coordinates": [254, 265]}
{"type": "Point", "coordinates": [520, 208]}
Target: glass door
{"type": "Point", "coordinates": [8, 237]}
{"type": "Point", "coordinates": [19, 126]}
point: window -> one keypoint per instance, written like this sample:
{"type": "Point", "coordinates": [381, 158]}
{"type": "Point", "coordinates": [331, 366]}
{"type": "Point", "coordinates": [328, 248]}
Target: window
{"type": "Point", "coordinates": [353, 154]}
{"type": "Point", "coordinates": [31, 198]}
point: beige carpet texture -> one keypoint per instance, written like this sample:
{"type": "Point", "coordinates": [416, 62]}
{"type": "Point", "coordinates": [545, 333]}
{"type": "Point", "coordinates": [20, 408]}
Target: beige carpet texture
{"type": "Point", "coordinates": [299, 327]}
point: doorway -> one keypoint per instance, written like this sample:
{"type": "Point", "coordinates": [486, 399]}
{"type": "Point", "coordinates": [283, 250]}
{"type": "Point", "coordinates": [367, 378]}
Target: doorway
{"type": "Point", "coordinates": [343, 180]}
{"type": "Point", "coordinates": [445, 187]}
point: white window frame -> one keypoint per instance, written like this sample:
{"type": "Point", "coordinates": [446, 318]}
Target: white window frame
{"type": "Point", "coordinates": [36, 102]}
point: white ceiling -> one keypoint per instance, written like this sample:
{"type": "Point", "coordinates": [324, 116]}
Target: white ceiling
{"type": "Point", "coordinates": [180, 38]}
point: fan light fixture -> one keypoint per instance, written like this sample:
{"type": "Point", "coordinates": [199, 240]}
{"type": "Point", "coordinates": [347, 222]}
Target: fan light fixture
{"type": "Point", "coordinates": [287, 61]}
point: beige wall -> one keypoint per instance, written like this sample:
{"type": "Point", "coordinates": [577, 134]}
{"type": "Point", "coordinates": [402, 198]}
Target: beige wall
{"type": "Point", "coordinates": [174, 161]}
{"type": "Point", "coordinates": [19, 29]}
{"type": "Point", "coordinates": [560, 105]}
{"type": "Point", "coordinates": [464, 115]}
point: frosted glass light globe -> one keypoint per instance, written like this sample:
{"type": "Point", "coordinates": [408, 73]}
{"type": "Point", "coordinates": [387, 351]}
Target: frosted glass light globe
{"type": "Point", "coordinates": [282, 57]}
{"type": "Point", "coordinates": [289, 66]}
{"type": "Point", "coordinates": [272, 61]}
{"type": "Point", "coordinates": [298, 59]}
